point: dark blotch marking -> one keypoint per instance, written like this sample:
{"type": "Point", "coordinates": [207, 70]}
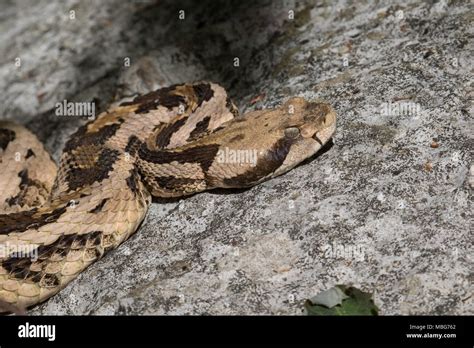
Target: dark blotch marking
{"type": "Point", "coordinates": [6, 136]}
{"type": "Point", "coordinates": [19, 267]}
{"type": "Point", "coordinates": [133, 145]}
{"type": "Point", "coordinates": [132, 181]}
{"type": "Point", "coordinates": [204, 155]}
{"type": "Point", "coordinates": [20, 273]}
{"type": "Point", "coordinates": [99, 206]}
{"type": "Point", "coordinates": [163, 138]}
{"type": "Point", "coordinates": [25, 183]}
{"type": "Point", "coordinates": [30, 153]}
{"type": "Point", "coordinates": [24, 179]}
{"type": "Point", "coordinates": [201, 128]}
{"type": "Point", "coordinates": [34, 276]}
{"type": "Point", "coordinates": [238, 137]}
{"type": "Point", "coordinates": [80, 177]}
{"type": "Point", "coordinates": [21, 221]}
{"type": "Point", "coordinates": [50, 281]}
{"type": "Point", "coordinates": [161, 97]}
{"type": "Point", "coordinates": [95, 237]}
{"type": "Point", "coordinates": [265, 166]}
{"type": "Point", "coordinates": [80, 241]}
{"type": "Point", "coordinates": [84, 138]}
{"type": "Point", "coordinates": [203, 92]}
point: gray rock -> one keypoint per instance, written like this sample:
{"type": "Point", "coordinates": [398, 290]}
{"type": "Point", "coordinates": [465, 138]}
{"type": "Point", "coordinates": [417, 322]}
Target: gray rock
{"type": "Point", "coordinates": [387, 208]}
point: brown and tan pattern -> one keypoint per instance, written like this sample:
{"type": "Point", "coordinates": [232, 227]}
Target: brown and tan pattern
{"type": "Point", "coordinates": [175, 141]}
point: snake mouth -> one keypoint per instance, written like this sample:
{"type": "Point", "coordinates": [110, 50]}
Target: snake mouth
{"type": "Point", "coordinates": [327, 130]}
{"type": "Point", "coordinates": [315, 137]}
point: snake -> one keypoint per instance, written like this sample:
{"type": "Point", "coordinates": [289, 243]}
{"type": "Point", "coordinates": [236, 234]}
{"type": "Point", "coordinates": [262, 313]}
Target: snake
{"type": "Point", "coordinates": [56, 220]}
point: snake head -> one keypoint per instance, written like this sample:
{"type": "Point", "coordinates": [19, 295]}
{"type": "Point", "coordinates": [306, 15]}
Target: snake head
{"type": "Point", "coordinates": [307, 127]}
{"type": "Point", "coordinates": [310, 120]}
{"type": "Point", "coordinates": [287, 135]}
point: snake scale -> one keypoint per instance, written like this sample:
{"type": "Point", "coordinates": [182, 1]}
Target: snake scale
{"type": "Point", "coordinates": [57, 220]}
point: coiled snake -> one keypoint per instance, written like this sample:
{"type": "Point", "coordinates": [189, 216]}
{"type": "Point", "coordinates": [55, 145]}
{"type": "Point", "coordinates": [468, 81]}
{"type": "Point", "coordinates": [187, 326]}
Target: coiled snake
{"type": "Point", "coordinates": [175, 141]}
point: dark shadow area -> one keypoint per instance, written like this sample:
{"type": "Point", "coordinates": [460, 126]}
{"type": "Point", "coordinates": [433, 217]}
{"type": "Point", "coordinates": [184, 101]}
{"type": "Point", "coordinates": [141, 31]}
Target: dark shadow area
{"type": "Point", "coordinates": [216, 32]}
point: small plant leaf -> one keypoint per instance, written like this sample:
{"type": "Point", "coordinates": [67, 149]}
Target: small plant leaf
{"type": "Point", "coordinates": [329, 298]}
{"type": "Point", "coordinates": [341, 300]}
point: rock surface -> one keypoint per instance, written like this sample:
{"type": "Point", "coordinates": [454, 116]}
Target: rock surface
{"type": "Point", "coordinates": [387, 208]}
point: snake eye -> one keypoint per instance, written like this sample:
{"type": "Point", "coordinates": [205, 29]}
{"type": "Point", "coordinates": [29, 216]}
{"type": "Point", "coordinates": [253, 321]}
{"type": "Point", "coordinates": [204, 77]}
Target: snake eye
{"type": "Point", "coordinates": [292, 132]}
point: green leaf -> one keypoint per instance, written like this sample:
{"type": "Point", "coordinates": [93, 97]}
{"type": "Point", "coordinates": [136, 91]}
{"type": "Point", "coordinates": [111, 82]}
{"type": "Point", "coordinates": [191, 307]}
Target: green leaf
{"type": "Point", "coordinates": [329, 298]}
{"type": "Point", "coordinates": [341, 300]}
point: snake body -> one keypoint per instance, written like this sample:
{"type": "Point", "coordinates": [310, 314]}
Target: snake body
{"type": "Point", "coordinates": [56, 221]}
